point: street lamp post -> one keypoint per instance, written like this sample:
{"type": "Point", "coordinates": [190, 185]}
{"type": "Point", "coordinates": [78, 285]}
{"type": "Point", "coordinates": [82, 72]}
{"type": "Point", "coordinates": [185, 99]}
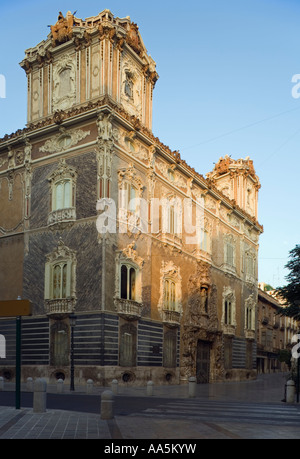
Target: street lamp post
{"type": "Point", "coordinates": [72, 319]}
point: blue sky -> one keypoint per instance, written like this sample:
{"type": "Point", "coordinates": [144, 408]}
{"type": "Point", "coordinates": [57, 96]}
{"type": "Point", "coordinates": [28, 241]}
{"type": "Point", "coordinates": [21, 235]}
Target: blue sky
{"type": "Point", "coordinates": [225, 87]}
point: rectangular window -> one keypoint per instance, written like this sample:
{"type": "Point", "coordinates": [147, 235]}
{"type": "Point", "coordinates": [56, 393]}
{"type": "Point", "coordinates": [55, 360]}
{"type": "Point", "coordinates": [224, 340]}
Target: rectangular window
{"type": "Point", "coordinates": [59, 283]}
{"type": "Point", "coordinates": [170, 295]}
{"type": "Point", "coordinates": [228, 313]}
{"type": "Point", "coordinates": [128, 283]}
{"type": "Point", "coordinates": [229, 254]}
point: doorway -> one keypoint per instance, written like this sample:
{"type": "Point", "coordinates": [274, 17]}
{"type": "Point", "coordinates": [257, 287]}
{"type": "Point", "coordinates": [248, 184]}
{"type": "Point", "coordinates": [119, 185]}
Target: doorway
{"type": "Point", "coordinates": [203, 361]}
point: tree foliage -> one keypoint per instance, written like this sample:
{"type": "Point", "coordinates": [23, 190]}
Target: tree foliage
{"type": "Point", "coordinates": [291, 292]}
{"type": "Point", "coordinates": [285, 356]}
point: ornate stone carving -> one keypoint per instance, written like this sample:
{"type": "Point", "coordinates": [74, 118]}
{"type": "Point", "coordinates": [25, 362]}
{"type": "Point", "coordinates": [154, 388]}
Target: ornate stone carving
{"type": "Point", "coordinates": [128, 309]}
{"type": "Point", "coordinates": [106, 132]}
{"type": "Point", "coordinates": [60, 308]}
{"type": "Point", "coordinates": [62, 31]}
{"type": "Point", "coordinates": [108, 31]}
{"type": "Point", "coordinates": [3, 161]}
{"type": "Point", "coordinates": [131, 95]}
{"type": "Point", "coordinates": [130, 174]}
{"type": "Point", "coordinates": [63, 171]}
{"type": "Point", "coordinates": [130, 253]}
{"type": "Point", "coordinates": [170, 271]}
{"type": "Point", "coordinates": [64, 84]}
{"type": "Point", "coordinates": [61, 252]}
{"type": "Point", "coordinates": [62, 216]}
{"type": "Point", "coordinates": [133, 39]}
{"type": "Point", "coordinates": [200, 319]}
{"type": "Point", "coordinates": [64, 140]}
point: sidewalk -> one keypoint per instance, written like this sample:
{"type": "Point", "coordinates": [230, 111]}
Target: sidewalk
{"type": "Point", "coordinates": [56, 424]}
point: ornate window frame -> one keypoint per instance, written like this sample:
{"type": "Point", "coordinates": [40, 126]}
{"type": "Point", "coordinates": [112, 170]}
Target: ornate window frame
{"type": "Point", "coordinates": [170, 308]}
{"type": "Point", "coordinates": [131, 213]}
{"type": "Point", "coordinates": [228, 320]}
{"type": "Point", "coordinates": [229, 253]}
{"type": "Point", "coordinates": [64, 258]}
{"type": "Point", "coordinates": [66, 211]}
{"type": "Point", "coordinates": [250, 317]}
{"type": "Point", "coordinates": [130, 306]}
{"type": "Point", "coordinates": [250, 265]}
{"type": "Point", "coordinates": [172, 215]}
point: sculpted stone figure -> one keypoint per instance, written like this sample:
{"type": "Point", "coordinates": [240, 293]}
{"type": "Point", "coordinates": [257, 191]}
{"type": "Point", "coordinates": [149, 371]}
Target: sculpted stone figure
{"type": "Point", "coordinates": [62, 31]}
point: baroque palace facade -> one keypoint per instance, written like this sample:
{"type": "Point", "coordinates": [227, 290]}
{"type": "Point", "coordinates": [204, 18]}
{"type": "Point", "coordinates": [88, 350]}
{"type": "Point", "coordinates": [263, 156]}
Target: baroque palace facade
{"type": "Point", "coordinates": [99, 218]}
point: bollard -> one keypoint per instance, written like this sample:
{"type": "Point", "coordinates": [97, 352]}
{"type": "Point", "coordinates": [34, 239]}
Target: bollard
{"type": "Point", "coordinates": [150, 385]}
{"type": "Point", "coordinates": [89, 386]}
{"type": "Point", "coordinates": [114, 386]}
{"type": "Point", "coordinates": [39, 396]}
{"type": "Point", "coordinates": [60, 386]}
{"type": "Point", "coordinates": [1, 383]}
{"type": "Point", "coordinates": [107, 400]}
{"type": "Point", "coordinates": [290, 391]}
{"type": "Point", "coordinates": [29, 385]}
{"type": "Point", "coordinates": [192, 386]}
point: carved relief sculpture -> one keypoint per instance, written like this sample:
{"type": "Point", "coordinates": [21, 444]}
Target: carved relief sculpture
{"type": "Point", "coordinates": [64, 140]}
{"type": "Point", "coordinates": [64, 84]}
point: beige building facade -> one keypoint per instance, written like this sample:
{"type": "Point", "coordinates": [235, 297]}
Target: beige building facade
{"type": "Point", "coordinates": [274, 332]}
{"type": "Point", "coordinates": [99, 218]}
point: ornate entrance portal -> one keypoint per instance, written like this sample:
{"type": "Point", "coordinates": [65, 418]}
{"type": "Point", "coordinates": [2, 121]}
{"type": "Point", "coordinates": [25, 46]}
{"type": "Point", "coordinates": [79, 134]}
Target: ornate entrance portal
{"type": "Point", "coordinates": [202, 363]}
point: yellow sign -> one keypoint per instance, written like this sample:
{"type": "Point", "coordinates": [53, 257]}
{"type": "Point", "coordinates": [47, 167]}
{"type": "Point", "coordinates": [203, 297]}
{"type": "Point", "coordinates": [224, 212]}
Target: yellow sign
{"type": "Point", "coordinates": [15, 308]}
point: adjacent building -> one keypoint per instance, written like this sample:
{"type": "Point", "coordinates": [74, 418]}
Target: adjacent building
{"type": "Point", "coordinates": [99, 218]}
{"type": "Point", "coordinates": [274, 331]}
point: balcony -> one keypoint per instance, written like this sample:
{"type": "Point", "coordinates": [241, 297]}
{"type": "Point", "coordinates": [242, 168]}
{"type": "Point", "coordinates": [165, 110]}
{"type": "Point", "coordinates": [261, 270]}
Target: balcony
{"type": "Point", "coordinates": [128, 309]}
{"type": "Point", "coordinates": [170, 238]}
{"type": "Point", "coordinates": [230, 269]}
{"type": "Point", "coordinates": [171, 318]}
{"type": "Point", "coordinates": [62, 216]}
{"type": "Point", "coordinates": [265, 320]}
{"type": "Point", "coordinates": [60, 307]}
{"type": "Point", "coordinates": [276, 324]}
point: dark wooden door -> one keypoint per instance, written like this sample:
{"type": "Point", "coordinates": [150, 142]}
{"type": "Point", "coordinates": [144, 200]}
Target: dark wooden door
{"type": "Point", "coordinates": [202, 364]}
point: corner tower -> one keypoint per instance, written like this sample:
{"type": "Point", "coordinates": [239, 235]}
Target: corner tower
{"type": "Point", "coordinates": [83, 60]}
{"type": "Point", "coordinates": [238, 181]}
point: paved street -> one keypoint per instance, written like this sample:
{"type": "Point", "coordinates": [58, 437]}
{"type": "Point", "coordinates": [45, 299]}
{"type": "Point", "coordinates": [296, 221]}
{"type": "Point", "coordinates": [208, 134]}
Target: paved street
{"type": "Point", "coordinates": [245, 410]}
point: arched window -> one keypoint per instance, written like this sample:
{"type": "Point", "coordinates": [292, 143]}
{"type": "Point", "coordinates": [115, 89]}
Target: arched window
{"type": "Point", "coordinates": [128, 282]}
{"type": "Point", "coordinates": [63, 194]}
{"type": "Point", "coordinates": [250, 305]}
{"type": "Point", "coordinates": [59, 281]}
{"type": "Point", "coordinates": [229, 310]}
{"type": "Point", "coordinates": [170, 295]}
{"type": "Point", "coordinates": [60, 272]}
